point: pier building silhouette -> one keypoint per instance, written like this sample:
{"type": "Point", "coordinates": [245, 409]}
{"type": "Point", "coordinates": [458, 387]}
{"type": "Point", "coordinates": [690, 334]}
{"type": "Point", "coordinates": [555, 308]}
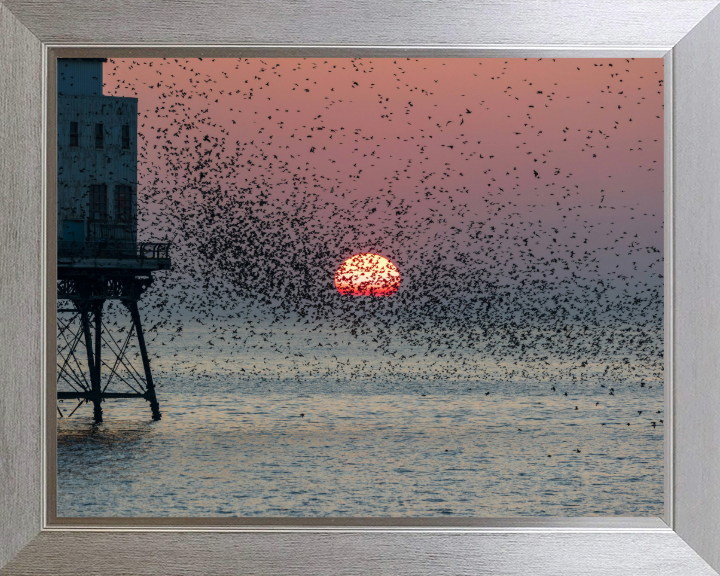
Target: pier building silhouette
{"type": "Point", "coordinates": [99, 258]}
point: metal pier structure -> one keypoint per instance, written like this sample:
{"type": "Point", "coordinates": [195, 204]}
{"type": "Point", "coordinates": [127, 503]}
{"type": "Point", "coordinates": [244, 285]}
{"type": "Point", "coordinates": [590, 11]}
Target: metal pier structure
{"type": "Point", "coordinates": [99, 259]}
{"type": "Point", "coordinates": [87, 283]}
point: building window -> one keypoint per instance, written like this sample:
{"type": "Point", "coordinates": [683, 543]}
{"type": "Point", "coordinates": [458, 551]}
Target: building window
{"type": "Point", "coordinates": [98, 135]}
{"type": "Point", "coordinates": [126, 136]}
{"type": "Point", "coordinates": [74, 134]}
{"type": "Point", "coordinates": [98, 202]}
{"type": "Point", "coordinates": [123, 203]}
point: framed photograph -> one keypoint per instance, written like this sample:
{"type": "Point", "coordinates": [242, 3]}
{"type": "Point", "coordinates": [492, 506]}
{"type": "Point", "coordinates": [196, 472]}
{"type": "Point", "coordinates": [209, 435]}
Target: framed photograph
{"type": "Point", "coordinates": [73, 522]}
{"type": "Point", "coordinates": [318, 296]}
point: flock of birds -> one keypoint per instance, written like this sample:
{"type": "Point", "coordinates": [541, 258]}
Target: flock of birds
{"type": "Point", "coordinates": [521, 201]}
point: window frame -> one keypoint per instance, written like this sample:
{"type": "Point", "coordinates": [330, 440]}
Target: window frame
{"type": "Point", "coordinates": [123, 215]}
{"type": "Point", "coordinates": [99, 135]}
{"type": "Point", "coordinates": [74, 137]}
{"type": "Point", "coordinates": [125, 139]}
{"type": "Point", "coordinates": [98, 202]}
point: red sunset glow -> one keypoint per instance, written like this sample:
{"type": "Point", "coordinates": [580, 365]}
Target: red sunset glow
{"type": "Point", "coordinates": [367, 275]}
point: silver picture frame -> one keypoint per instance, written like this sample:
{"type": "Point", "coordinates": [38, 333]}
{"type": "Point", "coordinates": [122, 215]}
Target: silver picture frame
{"type": "Point", "coordinates": [686, 541]}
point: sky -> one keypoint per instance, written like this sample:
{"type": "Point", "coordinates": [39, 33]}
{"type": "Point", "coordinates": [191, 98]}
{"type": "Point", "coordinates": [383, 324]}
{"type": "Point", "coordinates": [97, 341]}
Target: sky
{"type": "Point", "coordinates": [516, 197]}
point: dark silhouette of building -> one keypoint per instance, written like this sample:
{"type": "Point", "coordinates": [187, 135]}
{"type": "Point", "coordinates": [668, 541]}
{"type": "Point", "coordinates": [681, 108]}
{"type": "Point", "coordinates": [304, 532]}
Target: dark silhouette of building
{"type": "Point", "coordinates": [98, 255]}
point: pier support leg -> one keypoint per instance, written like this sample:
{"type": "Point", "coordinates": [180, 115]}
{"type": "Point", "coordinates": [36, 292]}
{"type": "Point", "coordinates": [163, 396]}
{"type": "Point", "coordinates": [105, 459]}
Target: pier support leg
{"type": "Point", "coordinates": [93, 366]}
{"type": "Point", "coordinates": [150, 387]}
{"type": "Point", "coordinates": [96, 388]}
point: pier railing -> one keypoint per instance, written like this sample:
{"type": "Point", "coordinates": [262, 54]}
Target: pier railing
{"type": "Point", "coordinates": [118, 250]}
{"type": "Point", "coordinates": [108, 231]}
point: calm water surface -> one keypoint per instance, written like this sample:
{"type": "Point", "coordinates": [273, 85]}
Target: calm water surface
{"type": "Point", "coordinates": [223, 450]}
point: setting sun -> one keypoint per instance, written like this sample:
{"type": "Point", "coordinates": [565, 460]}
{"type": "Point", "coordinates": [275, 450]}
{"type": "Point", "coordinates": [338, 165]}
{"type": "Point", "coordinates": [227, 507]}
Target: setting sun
{"type": "Point", "coordinates": [367, 275]}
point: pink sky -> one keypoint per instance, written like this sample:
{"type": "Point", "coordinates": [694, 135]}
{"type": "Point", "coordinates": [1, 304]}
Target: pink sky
{"type": "Point", "coordinates": [572, 147]}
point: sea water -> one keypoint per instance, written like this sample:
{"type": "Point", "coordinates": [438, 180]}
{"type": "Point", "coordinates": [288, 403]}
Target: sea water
{"type": "Point", "coordinates": [258, 448]}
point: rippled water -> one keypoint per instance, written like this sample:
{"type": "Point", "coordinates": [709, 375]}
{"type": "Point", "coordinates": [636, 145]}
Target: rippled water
{"type": "Point", "coordinates": [225, 450]}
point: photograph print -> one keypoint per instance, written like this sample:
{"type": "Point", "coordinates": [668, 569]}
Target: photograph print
{"type": "Point", "coordinates": [360, 287]}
